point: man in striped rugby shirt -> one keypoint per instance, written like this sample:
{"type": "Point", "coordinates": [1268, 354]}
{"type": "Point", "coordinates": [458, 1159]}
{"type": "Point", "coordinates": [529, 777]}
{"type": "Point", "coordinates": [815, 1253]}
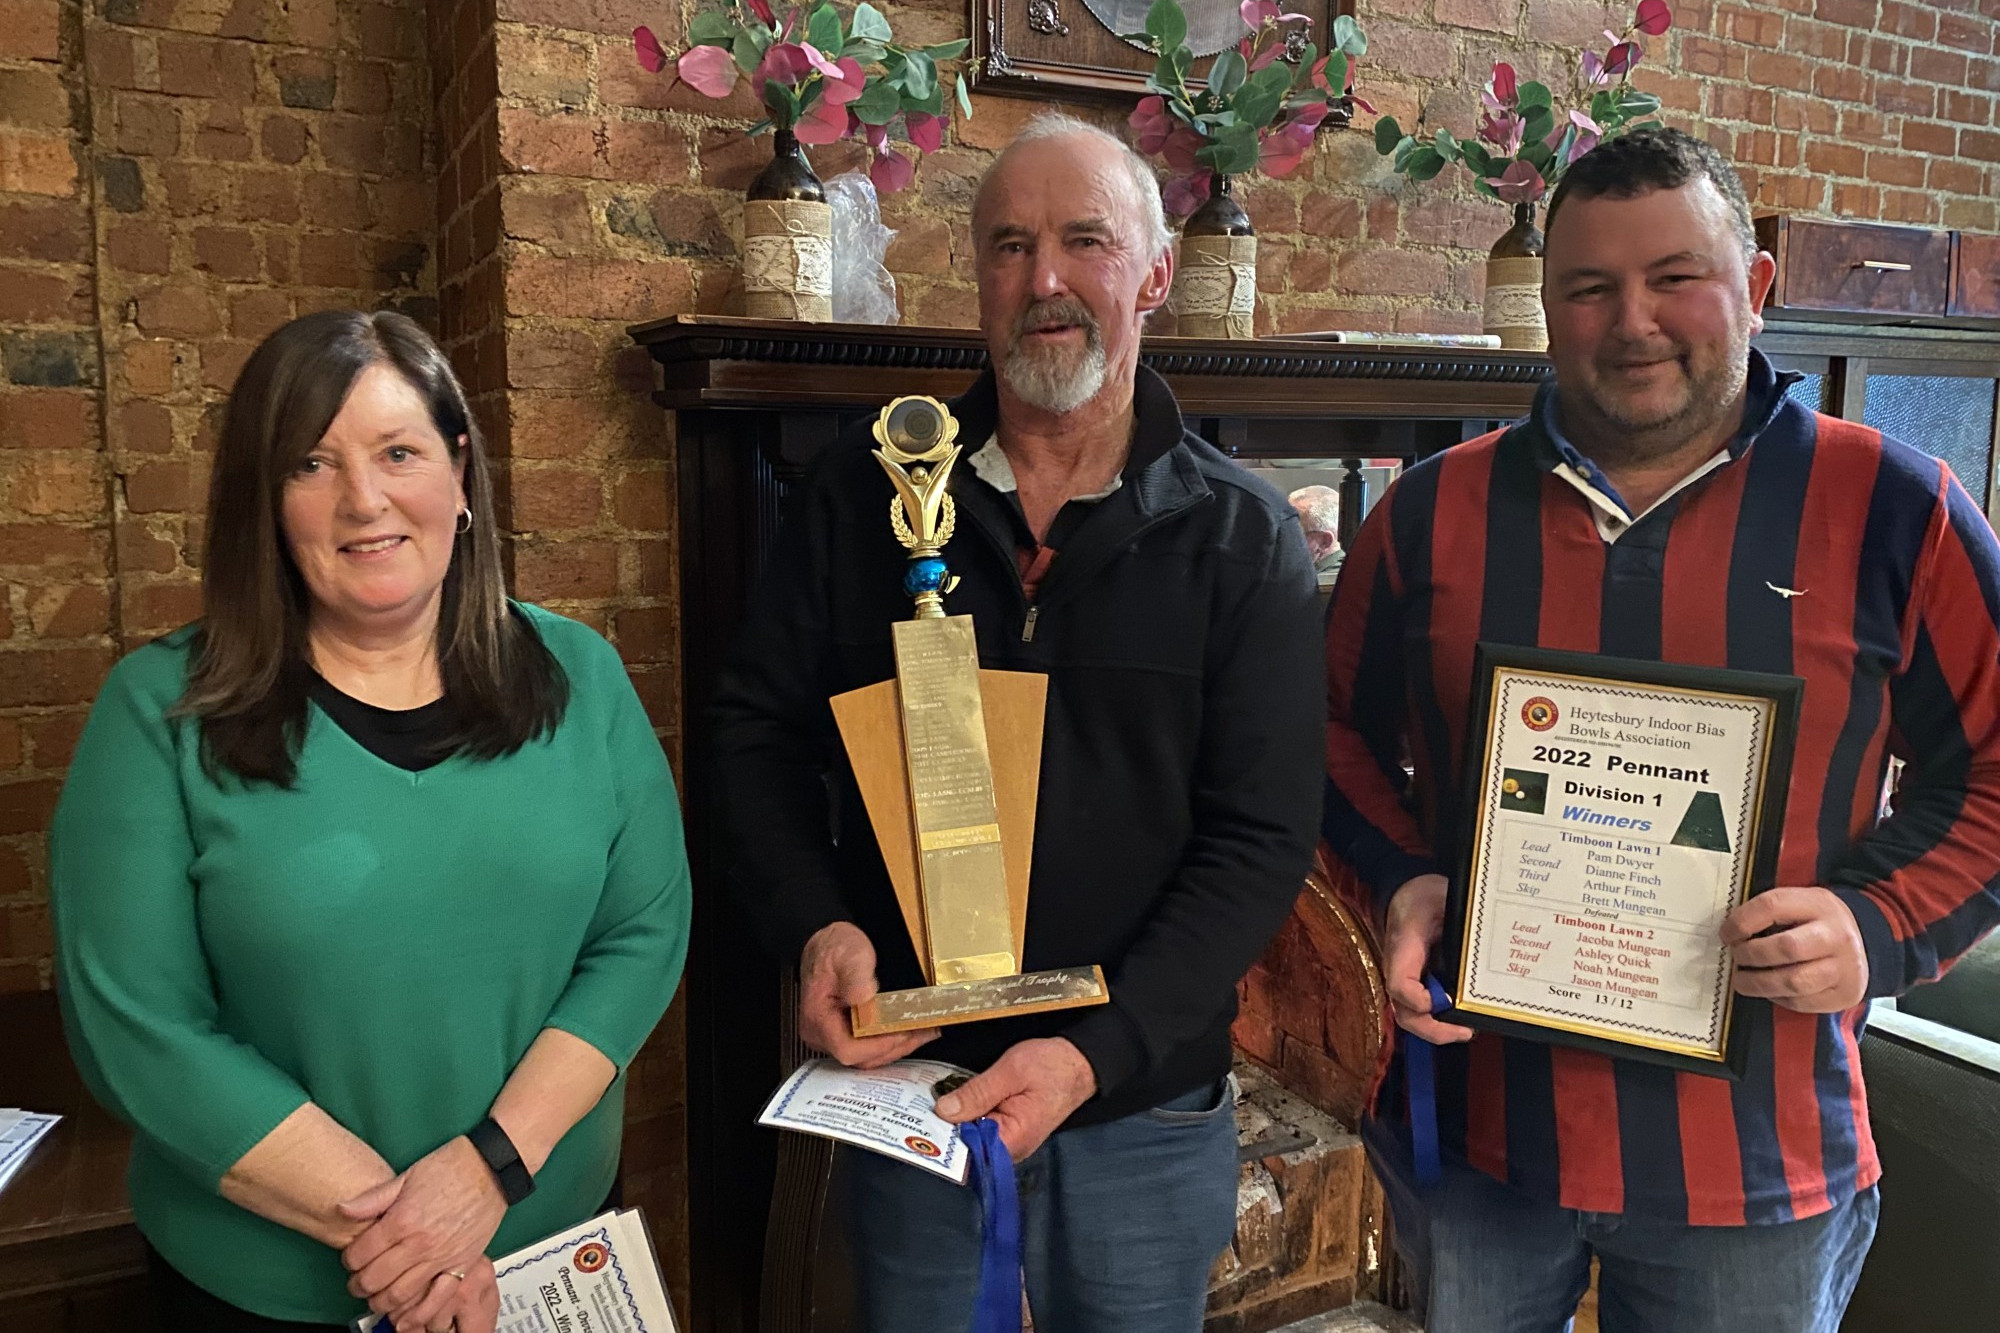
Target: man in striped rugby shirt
{"type": "Point", "coordinates": [1666, 500]}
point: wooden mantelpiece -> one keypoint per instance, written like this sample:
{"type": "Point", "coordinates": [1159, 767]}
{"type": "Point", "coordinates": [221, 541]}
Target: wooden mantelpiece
{"type": "Point", "coordinates": [754, 402]}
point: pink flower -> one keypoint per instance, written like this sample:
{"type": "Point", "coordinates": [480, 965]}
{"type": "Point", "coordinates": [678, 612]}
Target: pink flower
{"type": "Point", "coordinates": [1310, 116]}
{"type": "Point", "coordinates": [1180, 150]}
{"type": "Point", "coordinates": [926, 132]}
{"type": "Point", "coordinates": [817, 59]}
{"type": "Point", "coordinates": [1255, 12]}
{"type": "Point", "coordinates": [709, 70]}
{"type": "Point", "coordinates": [1654, 17]}
{"type": "Point", "coordinates": [1271, 51]}
{"type": "Point", "coordinates": [786, 62]}
{"type": "Point", "coordinates": [823, 122]}
{"type": "Point", "coordinates": [848, 82]}
{"type": "Point", "coordinates": [1283, 149]}
{"type": "Point", "coordinates": [652, 56]}
{"type": "Point", "coordinates": [1520, 183]}
{"type": "Point", "coordinates": [1184, 194]}
{"type": "Point", "coordinates": [1150, 121]}
{"type": "Point", "coordinates": [763, 11]}
{"type": "Point", "coordinates": [1504, 85]}
{"type": "Point", "coordinates": [1593, 69]}
{"type": "Point", "coordinates": [891, 171]}
{"type": "Point", "coordinates": [1503, 131]}
{"type": "Point", "coordinates": [1621, 57]}
{"type": "Point", "coordinates": [1584, 143]}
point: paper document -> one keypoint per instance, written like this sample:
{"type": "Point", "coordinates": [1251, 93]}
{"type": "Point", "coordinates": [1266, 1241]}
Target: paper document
{"type": "Point", "coordinates": [601, 1276]}
{"type": "Point", "coordinates": [20, 1131]}
{"type": "Point", "coordinates": [891, 1110]}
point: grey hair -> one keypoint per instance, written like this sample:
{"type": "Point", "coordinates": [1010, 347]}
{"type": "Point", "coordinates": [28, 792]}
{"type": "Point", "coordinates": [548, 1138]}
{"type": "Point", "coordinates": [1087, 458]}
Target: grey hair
{"type": "Point", "coordinates": [1319, 508]}
{"type": "Point", "coordinates": [1145, 185]}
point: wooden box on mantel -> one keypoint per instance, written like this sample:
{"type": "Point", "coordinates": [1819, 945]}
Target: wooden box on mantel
{"type": "Point", "coordinates": [1857, 268]}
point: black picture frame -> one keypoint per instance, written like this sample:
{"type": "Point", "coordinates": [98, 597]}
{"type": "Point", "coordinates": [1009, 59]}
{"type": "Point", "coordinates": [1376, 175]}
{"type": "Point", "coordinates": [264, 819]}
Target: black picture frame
{"type": "Point", "coordinates": [1784, 692]}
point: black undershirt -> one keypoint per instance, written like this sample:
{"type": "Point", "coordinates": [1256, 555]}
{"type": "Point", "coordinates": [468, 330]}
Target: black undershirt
{"type": "Point", "coordinates": [409, 738]}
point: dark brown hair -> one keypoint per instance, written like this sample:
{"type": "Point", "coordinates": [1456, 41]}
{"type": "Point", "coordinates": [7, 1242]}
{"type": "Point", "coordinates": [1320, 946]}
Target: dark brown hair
{"type": "Point", "coordinates": [1655, 159]}
{"type": "Point", "coordinates": [251, 676]}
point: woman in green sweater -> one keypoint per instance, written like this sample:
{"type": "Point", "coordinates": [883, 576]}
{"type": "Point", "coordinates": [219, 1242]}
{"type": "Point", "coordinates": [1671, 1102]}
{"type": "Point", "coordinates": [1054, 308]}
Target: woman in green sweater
{"type": "Point", "coordinates": [369, 885]}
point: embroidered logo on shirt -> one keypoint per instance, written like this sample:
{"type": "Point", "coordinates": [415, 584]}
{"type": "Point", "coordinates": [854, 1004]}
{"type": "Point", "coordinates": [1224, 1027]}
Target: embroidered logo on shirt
{"type": "Point", "coordinates": [1786, 593]}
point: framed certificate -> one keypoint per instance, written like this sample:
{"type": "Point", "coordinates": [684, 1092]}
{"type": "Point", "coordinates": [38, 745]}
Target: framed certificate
{"type": "Point", "coordinates": [1619, 810]}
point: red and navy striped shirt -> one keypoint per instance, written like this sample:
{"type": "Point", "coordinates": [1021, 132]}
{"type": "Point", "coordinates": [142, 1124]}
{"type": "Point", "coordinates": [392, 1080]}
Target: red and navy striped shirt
{"type": "Point", "coordinates": [1896, 632]}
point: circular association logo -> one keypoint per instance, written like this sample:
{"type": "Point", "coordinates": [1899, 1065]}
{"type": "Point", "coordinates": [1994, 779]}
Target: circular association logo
{"type": "Point", "coordinates": [1540, 713]}
{"type": "Point", "coordinates": [591, 1257]}
{"type": "Point", "coordinates": [916, 1143]}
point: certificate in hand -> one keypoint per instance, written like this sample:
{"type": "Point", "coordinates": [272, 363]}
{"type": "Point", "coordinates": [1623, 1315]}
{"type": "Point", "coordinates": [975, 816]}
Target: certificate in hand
{"type": "Point", "coordinates": [601, 1275]}
{"type": "Point", "coordinates": [1619, 810]}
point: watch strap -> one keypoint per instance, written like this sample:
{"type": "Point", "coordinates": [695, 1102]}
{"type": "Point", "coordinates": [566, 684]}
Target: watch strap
{"type": "Point", "coordinates": [503, 1159]}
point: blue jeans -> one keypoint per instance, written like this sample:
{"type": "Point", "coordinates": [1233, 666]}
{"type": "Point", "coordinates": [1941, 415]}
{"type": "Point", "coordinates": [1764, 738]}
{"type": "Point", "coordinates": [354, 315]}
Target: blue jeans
{"type": "Point", "coordinates": [1486, 1258]}
{"type": "Point", "coordinates": [1121, 1223]}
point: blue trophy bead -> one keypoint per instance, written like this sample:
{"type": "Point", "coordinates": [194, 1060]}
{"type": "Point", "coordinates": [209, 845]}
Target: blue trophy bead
{"type": "Point", "coordinates": [926, 575]}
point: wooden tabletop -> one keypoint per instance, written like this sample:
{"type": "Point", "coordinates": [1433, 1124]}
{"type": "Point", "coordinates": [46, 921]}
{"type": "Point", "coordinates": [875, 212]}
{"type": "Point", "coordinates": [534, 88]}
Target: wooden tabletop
{"type": "Point", "coordinates": [74, 1180]}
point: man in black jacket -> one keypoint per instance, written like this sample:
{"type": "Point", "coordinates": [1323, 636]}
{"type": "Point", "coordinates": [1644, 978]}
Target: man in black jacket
{"type": "Point", "coordinates": [1169, 598]}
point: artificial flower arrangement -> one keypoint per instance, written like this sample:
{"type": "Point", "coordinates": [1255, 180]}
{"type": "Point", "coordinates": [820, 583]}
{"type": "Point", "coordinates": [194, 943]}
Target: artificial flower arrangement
{"type": "Point", "coordinates": [1259, 107]}
{"type": "Point", "coordinates": [1526, 141]}
{"type": "Point", "coordinates": [819, 78]}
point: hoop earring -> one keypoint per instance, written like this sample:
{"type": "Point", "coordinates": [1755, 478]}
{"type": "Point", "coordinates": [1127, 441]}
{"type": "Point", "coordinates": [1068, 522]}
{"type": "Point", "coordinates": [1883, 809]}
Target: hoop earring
{"type": "Point", "coordinates": [464, 524]}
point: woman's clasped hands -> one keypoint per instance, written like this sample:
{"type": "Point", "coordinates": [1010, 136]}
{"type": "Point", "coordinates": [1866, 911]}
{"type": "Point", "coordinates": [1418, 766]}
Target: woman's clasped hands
{"type": "Point", "coordinates": [422, 1258]}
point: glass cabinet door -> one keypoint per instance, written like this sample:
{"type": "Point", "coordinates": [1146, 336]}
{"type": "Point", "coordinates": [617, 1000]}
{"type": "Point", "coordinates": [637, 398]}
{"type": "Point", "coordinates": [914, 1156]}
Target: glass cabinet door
{"type": "Point", "coordinates": [1947, 416]}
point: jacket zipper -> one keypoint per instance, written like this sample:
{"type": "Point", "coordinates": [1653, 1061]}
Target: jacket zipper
{"type": "Point", "coordinates": [1028, 625]}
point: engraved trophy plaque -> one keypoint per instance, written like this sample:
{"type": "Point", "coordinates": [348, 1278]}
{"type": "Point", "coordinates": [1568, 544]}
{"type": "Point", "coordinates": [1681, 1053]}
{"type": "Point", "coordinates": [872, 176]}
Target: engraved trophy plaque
{"type": "Point", "coordinates": [947, 757]}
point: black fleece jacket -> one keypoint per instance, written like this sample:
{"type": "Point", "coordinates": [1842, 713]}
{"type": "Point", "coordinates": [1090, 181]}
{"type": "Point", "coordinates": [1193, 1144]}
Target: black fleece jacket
{"type": "Point", "coordinates": [1182, 755]}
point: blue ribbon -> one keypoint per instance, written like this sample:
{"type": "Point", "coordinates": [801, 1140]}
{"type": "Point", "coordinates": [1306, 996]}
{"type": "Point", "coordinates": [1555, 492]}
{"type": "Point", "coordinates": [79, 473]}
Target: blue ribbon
{"type": "Point", "coordinates": [1420, 1075]}
{"type": "Point", "coordinates": [997, 1309]}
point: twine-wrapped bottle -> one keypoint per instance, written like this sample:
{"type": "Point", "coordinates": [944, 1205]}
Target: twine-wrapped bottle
{"type": "Point", "coordinates": [1215, 286]}
{"type": "Point", "coordinates": [787, 239]}
{"type": "Point", "coordinates": [1514, 285]}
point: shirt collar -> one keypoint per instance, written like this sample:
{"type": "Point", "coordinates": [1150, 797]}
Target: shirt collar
{"type": "Point", "coordinates": [990, 461]}
{"type": "Point", "coordinates": [1763, 394]}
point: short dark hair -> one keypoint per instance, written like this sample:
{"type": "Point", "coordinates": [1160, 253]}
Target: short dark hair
{"type": "Point", "coordinates": [1654, 159]}
{"type": "Point", "coordinates": [250, 677]}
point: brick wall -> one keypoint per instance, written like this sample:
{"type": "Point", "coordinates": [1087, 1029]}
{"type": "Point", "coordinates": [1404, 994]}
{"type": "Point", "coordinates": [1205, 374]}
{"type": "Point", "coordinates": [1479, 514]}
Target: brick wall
{"type": "Point", "coordinates": [177, 178]}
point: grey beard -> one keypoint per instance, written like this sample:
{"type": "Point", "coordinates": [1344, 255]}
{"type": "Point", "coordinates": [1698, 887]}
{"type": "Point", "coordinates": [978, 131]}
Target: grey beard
{"type": "Point", "coordinates": [1051, 382]}
{"type": "Point", "coordinates": [1617, 441]}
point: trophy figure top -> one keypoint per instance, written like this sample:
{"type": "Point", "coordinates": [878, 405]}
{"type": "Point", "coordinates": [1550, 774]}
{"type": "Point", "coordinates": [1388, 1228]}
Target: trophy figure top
{"type": "Point", "coordinates": [919, 438]}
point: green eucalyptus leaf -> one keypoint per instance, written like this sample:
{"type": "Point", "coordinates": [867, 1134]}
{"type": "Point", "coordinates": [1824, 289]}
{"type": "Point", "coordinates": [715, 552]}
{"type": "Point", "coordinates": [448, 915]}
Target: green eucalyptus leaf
{"type": "Point", "coordinates": [964, 96]}
{"type": "Point", "coordinates": [931, 103]}
{"type": "Point", "coordinates": [1226, 75]}
{"type": "Point", "coordinates": [947, 50]}
{"type": "Point", "coordinates": [781, 103]}
{"type": "Point", "coordinates": [1166, 24]}
{"type": "Point", "coordinates": [1479, 184]}
{"type": "Point", "coordinates": [869, 25]}
{"type": "Point", "coordinates": [1182, 60]}
{"type": "Point", "coordinates": [1531, 94]}
{"type": "Point", "coordinates": [1476, 157]}
{"type": "Point", "coordinates": [1602, 104]}
{"type": "Point", "coordinates": [710, 28]}
{"type": "Point", "coordinates": [1538, 124]}
{"type": "Point", "coordinates": [1447, 146]}
{"type": "Point", "coordinates": [1401, 158]}
{"type": "Point", "coordinates": [864, 52]}
{"type": "Point", "coordinates": [746, 52]}
{"type": "Point", "coordinates": [1538, 155]}
{"type": "Point", "coordinates": [878, 103]}
{"type": "Point", "coordinates": [1258, 100]}
{"type": "Point", "coordinates": [1348, 36]}
{"type": "Point", "coordinates": [1425, 163]}
{"type": "Point", "coordinates": [1387, 135]}
{"type": "Point", "coordinates": [823, 29]}
{"type": "Point", "coordinates": [919, 79]}
{"type": "Point", "coordinates": [1637, 103]}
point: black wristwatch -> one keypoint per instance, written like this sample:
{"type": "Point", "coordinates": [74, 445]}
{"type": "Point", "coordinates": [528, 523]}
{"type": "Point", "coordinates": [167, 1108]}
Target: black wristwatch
{"type": "Point", "coordinates": [503, 1159]}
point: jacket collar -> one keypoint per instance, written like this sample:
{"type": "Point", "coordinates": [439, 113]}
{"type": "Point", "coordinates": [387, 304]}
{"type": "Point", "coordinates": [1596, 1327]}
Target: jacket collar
{"type": "Point", "coordinates": [1161, 477]}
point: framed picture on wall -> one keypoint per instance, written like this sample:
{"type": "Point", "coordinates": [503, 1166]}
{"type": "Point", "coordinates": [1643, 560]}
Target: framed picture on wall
{"type": "Point", "coordinates": [1070, 49]}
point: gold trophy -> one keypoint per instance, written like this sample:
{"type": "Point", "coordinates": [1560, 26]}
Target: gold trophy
{"type": "Point", "coordinates": [948, 757]}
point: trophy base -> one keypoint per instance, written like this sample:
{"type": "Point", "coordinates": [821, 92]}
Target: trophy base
{"type": "Point", "coordinates": [971, 1001]}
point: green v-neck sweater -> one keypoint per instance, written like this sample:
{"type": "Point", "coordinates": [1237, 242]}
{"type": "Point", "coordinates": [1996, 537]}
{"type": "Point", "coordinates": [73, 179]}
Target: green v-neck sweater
{"type": "Point", "coordinates": [386, 944]}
